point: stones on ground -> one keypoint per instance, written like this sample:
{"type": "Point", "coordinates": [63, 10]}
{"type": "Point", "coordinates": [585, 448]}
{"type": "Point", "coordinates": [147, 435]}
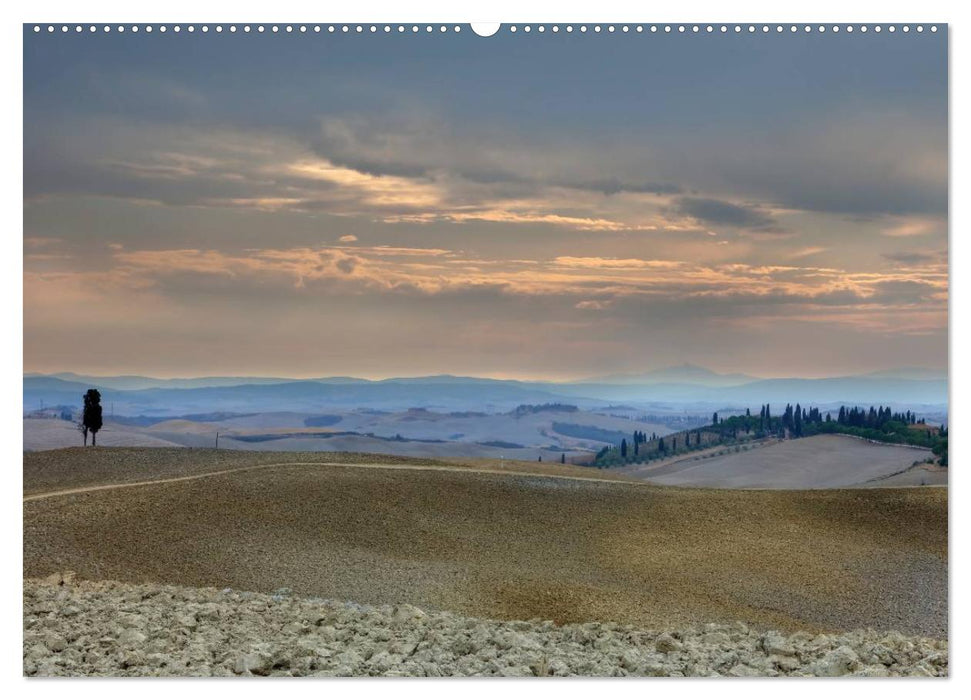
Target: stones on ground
{"type": "Point", "coordinates": [406, 613]}
{"type": "Point", "coordinates": [775, 644]}
{"type": "Point", "coordinates": [256, 663]}
{"type": "Point", "coordinates": [785, 663]}
{"type": "Point", "coordinates": [839, 662]}
{"type": "Point", "coordinates": [745, 671]}
{"type": "Point", "coordinates": [873, 672]}
{"type": "Point", "coordinates": [666, 644]}
{"type": "Point", "coordinates": [382, 662]}
{"type": "Point", "coordinates": [61, 578]}
{"type": "Point", "coordinates": [132, 638]}
{"type": "Point", "coordinates": [36, 652]}
{"type": "Point", "coordinates": [188, 622]}
{"type": "Point", "coordinates": [55, 643]}
{"type": "Point", "coordinates": [205, 632]}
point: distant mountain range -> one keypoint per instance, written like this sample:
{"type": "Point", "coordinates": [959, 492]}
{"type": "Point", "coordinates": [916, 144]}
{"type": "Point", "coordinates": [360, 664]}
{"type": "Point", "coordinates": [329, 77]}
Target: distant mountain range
{"type": "Point", "coordinates": [686, 387]}
{"type": "Point", "coordinates": [136, 382]}
{"type": "Point", "coordinates": [444, 393]}
{"type": "Point", "coordinates": [910, 373]}
{"type": "Point", "coordinates": [682, 374]}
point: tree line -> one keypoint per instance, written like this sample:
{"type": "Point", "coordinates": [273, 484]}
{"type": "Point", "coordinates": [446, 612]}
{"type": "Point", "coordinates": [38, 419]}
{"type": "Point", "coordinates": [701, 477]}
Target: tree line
{"type": "Point", "coordinates": [880, 424]}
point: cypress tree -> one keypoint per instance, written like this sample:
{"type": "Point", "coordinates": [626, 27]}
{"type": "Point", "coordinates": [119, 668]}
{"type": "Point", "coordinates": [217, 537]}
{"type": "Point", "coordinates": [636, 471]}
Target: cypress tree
{"type": "Point", "coordinates": [91, 417]}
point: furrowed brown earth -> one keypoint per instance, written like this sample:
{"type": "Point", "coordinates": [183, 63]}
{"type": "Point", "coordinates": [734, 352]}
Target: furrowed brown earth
{"type": "Point", "coordinates": [78, 467]}
{"type": "Point", "coordinates": [507, 546]}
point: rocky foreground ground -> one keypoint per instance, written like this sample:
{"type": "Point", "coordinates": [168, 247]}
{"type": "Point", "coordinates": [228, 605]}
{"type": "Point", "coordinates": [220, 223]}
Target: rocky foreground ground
{"type": "Point", "coordinates": [113, 629]}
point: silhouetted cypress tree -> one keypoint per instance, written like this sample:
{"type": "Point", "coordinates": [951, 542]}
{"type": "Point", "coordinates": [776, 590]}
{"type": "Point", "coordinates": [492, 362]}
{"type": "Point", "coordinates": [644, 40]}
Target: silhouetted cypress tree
{"type": "Point", "coordinates": [92, 414]}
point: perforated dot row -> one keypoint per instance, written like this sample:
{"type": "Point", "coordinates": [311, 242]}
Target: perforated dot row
{"type": "Point", "coordinates": [441, 29]}
{"type": "Point", "coordinates": [251, 28]}
{"type": "Point", "coordinates": [722, 28]}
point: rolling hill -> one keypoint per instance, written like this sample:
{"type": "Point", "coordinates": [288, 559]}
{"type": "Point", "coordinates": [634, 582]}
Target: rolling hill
{"type": "Point", "coordinates": [818, 462]}
{"type": "Point", "coordinates": [500, 545]}
{"type": "Point", "coordinates": [676, 389]}
{"type": "Point", "coordinates": [520, 434]}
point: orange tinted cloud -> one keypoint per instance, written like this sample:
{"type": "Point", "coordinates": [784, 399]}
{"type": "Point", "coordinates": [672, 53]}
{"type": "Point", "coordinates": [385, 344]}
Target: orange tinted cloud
{"type": "Point", "coordinates": [437, 270]}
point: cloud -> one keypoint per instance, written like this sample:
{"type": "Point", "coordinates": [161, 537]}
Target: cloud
{"type": "Point", "coordinates": [501, 216]}
{"type": "Point", "coordinates": [914, 258]}
{"type": "Point", "coordinates": [907, 292]}
{"type": "Point", "coordinates": [579, 306]}
{"type": "Point", "coordinates": [588, 283]}
{"type": "Point", "coordinates": [806, 252]}
{"type": "Point", "coordinates": [716, 212]}
{"type": "Point", "coordinates": [426, 146]}
{"type": "Point", "coordinates": [592, 305]}
{"type": "Point", "coordinates": [41, 241]}
{"type": "Point", "coordinates": [190, 166]}
{"type": "Point", "coordinates": [420, 170]}
{"type": "Point", "coordinates": [552, 214]}
{"type": "Point", "coordinates": [614, 185]}
{"type": "Point", "coordinates": [905, 228]}
{"type": "Point", "coordinates": [614, 263]}
{"type": "Point", "coordinates": [347, 265]}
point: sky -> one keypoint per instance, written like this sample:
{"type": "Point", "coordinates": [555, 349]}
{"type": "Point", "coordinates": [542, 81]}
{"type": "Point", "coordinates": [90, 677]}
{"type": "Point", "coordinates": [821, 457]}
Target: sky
{"type": "Point", "coordinates": [546, 206]}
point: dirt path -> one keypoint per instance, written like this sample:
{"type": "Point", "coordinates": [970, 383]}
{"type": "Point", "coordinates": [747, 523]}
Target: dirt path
{"type": "Point", "coordinates": [395, 467]}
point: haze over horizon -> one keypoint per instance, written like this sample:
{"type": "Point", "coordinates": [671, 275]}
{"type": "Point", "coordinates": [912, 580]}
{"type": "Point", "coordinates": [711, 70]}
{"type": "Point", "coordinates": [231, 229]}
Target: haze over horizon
{"type": "Point", "coordinates": [546, 207]}
{"type": "Point", "coordinates": [923, 372]}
